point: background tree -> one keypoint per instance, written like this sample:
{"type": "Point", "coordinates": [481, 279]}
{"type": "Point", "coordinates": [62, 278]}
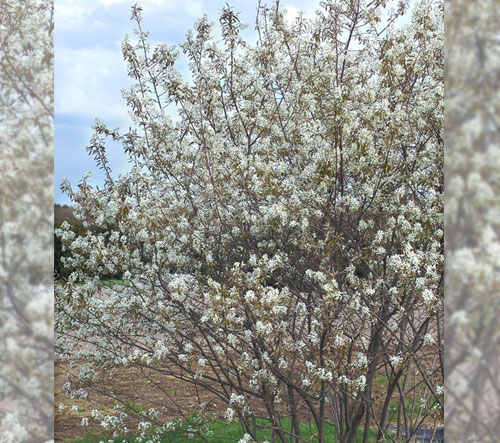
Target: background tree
{"type": "Point", "coordinates": [64, 214]}
{"type": "Point", "coordinates": [283, 238]}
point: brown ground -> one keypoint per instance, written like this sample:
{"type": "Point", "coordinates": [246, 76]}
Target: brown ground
{"type": "Point", "coordinates": [133, 386]}
{"type": "Point", "coordinates": [140, 389]}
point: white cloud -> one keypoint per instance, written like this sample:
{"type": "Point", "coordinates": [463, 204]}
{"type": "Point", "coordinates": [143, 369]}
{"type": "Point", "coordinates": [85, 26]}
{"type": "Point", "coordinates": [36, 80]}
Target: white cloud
{"type": "Point", "coordinates": [88, 82]}
{"type": "Point", "coordinates": [189, 7]}
{"type": "Point", "coordinates": [75, 14]}
{"type": "Point", "coordinates": [71, 14]}
{"type": "Point", "coordinates": [292, 13]}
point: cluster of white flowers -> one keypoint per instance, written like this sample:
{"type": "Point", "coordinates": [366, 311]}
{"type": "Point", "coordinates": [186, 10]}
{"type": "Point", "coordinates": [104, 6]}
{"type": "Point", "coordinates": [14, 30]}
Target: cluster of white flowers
{"type": "Point", "coordinates": [395, 360]}
{"type": "Point", "coordinates": [229, 415]}
{"type": "Point", "coordinates": [361, 382]}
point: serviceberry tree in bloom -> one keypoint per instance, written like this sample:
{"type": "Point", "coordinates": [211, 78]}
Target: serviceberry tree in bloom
{"type": "Point", "coordinates": [280, 233]}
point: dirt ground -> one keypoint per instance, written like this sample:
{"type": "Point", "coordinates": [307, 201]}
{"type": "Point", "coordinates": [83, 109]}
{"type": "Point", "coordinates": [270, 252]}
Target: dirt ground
{"type": "Point", "coordinates": [138, 389]}
{"type": "Point", "coordinates": [132, 386]}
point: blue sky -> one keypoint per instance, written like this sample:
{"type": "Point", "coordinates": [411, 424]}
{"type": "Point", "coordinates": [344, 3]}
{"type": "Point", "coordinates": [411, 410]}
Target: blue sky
{"type": "Point", "coordinates": [90, 71]}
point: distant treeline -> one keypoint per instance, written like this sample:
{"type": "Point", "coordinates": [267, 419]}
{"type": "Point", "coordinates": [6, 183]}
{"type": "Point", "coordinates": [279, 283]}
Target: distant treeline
{"type": "Point", "coordinates": [64, 213]}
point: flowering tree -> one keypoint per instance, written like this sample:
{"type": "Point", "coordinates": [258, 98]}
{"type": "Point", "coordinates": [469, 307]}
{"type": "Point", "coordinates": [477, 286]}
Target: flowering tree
{"type": "Point", "coordinates": [26, 193]}
{"type": "Point", "coordinates": [282, 236]}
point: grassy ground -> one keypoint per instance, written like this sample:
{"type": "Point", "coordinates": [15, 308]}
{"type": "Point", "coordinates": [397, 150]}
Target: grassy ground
{"type": "Point", "coordinates": [114, 282]}
{"type": "Point", "coordinates": [221, 432]}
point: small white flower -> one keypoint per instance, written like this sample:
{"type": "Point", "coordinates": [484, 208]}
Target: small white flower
{"type": "Point", "coordinates": [395, 360]}
{"type": "Point", "coordinates": [361, 382]}
{"type": "Point", "coordinates": [428, 295]}
{"type": "Point", "coordinates": [229, 415]}
{"type": "Point", "coordinates": [429, 339]}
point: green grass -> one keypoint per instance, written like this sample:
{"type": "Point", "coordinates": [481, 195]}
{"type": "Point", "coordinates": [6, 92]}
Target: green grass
{"type": "Point", "coordinates": [415, 410]}
{"type": "Point", "coordinates": [382, 381]}
{"type": "Point", "coordinates": [114, 282]}
{"type": "Point", "coordinates": [132, 407]}
{"type": "Point", "coordinates": [221, 431]}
